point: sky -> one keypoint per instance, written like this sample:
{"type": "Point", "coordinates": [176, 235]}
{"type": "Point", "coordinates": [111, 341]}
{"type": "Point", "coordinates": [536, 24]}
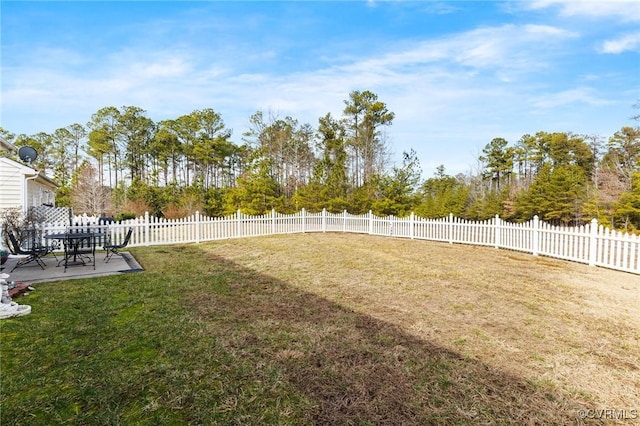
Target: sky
{"type": "Point", "coordinates": [456, 74]}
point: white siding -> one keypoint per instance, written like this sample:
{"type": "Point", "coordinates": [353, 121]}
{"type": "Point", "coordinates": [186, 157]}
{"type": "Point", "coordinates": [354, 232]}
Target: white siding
{"type": "Point", "coordinates": [10, 186]}
{"type": "Point", "coordinates": [15, 179]}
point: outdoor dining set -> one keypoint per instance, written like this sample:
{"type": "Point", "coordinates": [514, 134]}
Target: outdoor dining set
{"type": "Point", "coordinates": [77, 244]}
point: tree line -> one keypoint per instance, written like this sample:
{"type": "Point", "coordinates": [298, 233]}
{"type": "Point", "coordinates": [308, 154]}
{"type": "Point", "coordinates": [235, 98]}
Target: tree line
{"type": "Point", "coordinates": [122, 162]}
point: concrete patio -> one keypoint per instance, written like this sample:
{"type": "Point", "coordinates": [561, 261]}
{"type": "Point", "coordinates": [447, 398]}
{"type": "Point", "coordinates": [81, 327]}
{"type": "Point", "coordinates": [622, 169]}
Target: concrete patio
{"type": "Point", "coordinates": [32, 273]}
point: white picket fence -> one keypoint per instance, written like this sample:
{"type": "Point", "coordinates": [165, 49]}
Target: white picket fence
{"type": "Point", "coordinates": [592, 244]}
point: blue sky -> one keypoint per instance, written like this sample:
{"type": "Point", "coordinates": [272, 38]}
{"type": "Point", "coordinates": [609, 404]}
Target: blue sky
{"type": "Point", "coordinates": [456, 74]}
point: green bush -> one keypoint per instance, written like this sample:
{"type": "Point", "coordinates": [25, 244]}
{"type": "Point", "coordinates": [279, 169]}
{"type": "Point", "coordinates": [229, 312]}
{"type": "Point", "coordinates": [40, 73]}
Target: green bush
{"type": "Point", "coordinates": [124, 216]}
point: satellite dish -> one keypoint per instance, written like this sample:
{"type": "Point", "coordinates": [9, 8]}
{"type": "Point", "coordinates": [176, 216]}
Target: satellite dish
{"type": "Point", "coordinates": [27, 154]}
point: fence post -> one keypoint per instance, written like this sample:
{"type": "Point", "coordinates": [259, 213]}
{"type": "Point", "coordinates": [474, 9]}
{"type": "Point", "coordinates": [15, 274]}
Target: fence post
{"type": "Point", "coordinates": [146, 228]}
{"type": "Point", "coordinates": [239, 223]}
{"type": "Point", "coordinates": [450, 228]}
{"type": "Point", "coordinates": [593, 242]}
{"type": "Point", "coordinates": [344, 221]}
{"type": "Point", "coordinates": [370, 222]}
{"type": "Point", "coordinates": [535, 235]}
{"type": "Point", "coordinates": [497, 240]}
{"type": "Point", "coordinates": [411, 221]}
{"type": "Point", "coordinates": [273, 221]}
{"type": "Point", "coordinates": [324, 220]}
{"type": "Point", "coordinates": [303, 213]}
{"type": "Point", "coordinates": [197, 223]}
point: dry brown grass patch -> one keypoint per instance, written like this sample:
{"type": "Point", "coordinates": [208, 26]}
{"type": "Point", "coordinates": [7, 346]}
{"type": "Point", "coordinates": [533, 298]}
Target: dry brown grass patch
{"type": "Point", "coordinates": [565, 328]}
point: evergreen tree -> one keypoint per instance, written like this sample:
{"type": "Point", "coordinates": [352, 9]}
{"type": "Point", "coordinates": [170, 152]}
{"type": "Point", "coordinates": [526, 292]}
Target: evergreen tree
{"type": "Point", "coordinates": [498, 160]}
{"type": "Point", "coordinates": [627, 209]}
{"type": "Point", "coordinates": [365, 115]}
{"type": "Point", "coordinates": [257, 192]}
{"type": "Point", "coordinates": [136, 132]}
{"type": "Point", "coordinates": [98, 147]}
{"type": "Point", "coordinates": [327, 187]}
{"type": "Point", "coordinates": [78, 134]}
{"type": "Point", "coordinates": [556, 195]}
{"type": "Point", "coordinates": [166, 154]}
{"type": "Point", "coordinates": [442, 195]}
{"type": "Point", "coordinates": [61, 154]}
{"type": "Point", "coordinates": [104, 140]}
{"type": "Point", "coordinates": [397, 192]}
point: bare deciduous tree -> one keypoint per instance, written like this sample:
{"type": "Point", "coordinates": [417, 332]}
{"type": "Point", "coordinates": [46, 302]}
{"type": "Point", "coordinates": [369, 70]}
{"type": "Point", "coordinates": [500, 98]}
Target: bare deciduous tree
{"type": "Point", "coordinates": [89, 195]}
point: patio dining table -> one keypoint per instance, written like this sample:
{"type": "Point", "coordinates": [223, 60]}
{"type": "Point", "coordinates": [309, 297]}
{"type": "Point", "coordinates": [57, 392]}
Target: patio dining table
{"type": "Point", "coordinates": [79, 247]}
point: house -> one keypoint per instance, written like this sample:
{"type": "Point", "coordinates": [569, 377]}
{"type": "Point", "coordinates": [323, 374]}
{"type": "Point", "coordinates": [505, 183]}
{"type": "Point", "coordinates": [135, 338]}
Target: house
{"type": "Point", "coordinates": [20, 185]}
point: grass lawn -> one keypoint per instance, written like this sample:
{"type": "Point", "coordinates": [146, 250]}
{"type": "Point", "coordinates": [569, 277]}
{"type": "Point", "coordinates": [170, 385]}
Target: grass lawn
{"type": "Point", "coordinates": [326, 329]}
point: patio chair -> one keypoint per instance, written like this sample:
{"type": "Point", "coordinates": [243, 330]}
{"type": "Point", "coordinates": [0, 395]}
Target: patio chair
{"type": "Point", "coordinates": [115, 248]}
{"type": "Point", "coordinates": [29, 246]}
{"type": "Point", "coordinates": [104, 223]}
{"type": "Point", "coordinates": [51, 248]}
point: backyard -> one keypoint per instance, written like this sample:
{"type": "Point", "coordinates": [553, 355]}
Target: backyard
{"type": "Point", "coordinates": [327, 329]}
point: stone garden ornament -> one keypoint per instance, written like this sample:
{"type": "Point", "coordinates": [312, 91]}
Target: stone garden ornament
{"type": "Point", "coordinates": [8, 308]}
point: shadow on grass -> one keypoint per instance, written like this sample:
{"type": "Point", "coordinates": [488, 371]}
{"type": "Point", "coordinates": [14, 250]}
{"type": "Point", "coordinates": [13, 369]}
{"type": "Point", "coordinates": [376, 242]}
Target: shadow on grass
{"type": "Point", "coordinates": [198, 339]}
{"type": "Point", "coordinates": [354, 369]}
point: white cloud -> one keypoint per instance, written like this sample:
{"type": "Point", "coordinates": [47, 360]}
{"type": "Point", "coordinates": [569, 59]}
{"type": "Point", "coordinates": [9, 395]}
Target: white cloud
{"type": "Point", "coordinates": [422, 81]}
{"type": "Point", "coordinates": [171, 67]}
{"type": "Point", "coordinates": [580, 95]}
{"type": "Point", "coordinates": [624, 10]}
{"type": "Point", "coordinates": [449, 93]}
{"type": "Point", "coordinates": [629, 42]}
{"type": "Point", "coordinates": [547, 30]}
{"type": "Point", "coordinates": [508, 46]}
{"type": "Point", "coordinates": [439, 7]}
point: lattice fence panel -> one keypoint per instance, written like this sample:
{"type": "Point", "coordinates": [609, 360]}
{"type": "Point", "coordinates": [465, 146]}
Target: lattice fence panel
{"type": "Point", "coordinates": [52, 214]}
